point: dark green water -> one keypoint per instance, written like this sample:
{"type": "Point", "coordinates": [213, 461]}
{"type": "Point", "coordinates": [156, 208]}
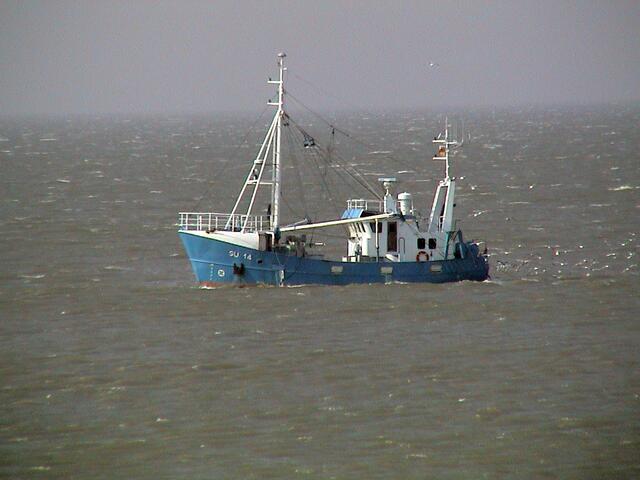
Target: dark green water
{"type": "Point", "coordinates": [114, 365]}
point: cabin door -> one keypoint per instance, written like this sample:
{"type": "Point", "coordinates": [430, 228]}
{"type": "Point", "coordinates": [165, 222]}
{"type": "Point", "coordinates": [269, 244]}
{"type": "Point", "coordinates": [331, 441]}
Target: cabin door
{"type": "Point", "coordinates": [402, 249]}
{"type": "Point", "coordinates": [392, 237]}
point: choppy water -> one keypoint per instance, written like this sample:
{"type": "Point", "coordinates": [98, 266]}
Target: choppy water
{"type": "Point", "coordinates": [114, 365]}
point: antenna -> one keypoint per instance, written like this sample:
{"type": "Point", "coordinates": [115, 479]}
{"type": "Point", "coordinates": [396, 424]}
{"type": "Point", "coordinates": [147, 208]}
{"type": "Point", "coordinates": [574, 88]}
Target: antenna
{"type": "Point", "coordinates": [389, 201]}
{"type": "Point", "coordinates": [459, 142]}
{"type": "Point", "coordinates": [445, 146]}
{"type": "Point", "coordinates": [387, 183]}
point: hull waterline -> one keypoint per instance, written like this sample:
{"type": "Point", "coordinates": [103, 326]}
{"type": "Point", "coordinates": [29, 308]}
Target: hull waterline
{"type": "Point", "coordinates": [215, 262]}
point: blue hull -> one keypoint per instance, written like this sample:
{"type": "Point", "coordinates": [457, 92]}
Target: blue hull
{"type": "Point", "coordinates": [215, 262]}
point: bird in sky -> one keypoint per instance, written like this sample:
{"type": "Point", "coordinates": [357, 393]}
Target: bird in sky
{"type": "Point", "coordinates": [433, 64]}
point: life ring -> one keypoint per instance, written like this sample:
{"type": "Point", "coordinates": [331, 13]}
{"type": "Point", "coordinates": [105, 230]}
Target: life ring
{"type": "Point", "coordinates": [421, 254]}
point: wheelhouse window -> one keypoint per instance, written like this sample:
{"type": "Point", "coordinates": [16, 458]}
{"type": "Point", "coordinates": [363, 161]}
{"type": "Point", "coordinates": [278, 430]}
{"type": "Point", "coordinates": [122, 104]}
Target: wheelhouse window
{"type": "Point", "coordinates": [421, 243]}
{"type": "Point", "coordinates": [432, 243]}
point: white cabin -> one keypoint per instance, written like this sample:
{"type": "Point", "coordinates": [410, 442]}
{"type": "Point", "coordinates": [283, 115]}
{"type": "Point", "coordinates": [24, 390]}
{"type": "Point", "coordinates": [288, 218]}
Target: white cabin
{"type": "Point", "coordinates": [402, 238]}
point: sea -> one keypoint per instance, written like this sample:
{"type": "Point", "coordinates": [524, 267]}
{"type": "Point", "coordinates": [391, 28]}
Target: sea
{"type": "Point", "coordinates": [114, 364]}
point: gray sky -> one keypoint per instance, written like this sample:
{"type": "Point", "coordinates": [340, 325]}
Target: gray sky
{"type": "Point", "coordinates": [186, 56]}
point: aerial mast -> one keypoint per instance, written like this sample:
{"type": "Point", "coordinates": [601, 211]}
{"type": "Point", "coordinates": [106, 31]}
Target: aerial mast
{"type": "Point", "coordinates": [444, 149]}
{"type": "Point", "coordinates": [277, 170]}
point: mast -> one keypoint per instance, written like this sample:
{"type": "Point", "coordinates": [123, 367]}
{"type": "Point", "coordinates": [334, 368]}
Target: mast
{"type": "Point", "coordinates": [442, 215]}
{"type": "Point", "coordinates": [443, 150]}
{"type": "Point", "coordinates": [446, 160]}
{"type": "Point", "coordinates": [270, 148]}
{"type": "Point", "coordinates": [277, 170]}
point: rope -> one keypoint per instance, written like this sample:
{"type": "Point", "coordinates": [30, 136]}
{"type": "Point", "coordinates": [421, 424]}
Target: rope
{"type": "Point", "coordinates": [347, 134]}
{"type": "Point", "coordinates": [294, 160]}
{"type": "Point", "coordinates": [324, 92]}
{"type": "Point", "coordinates": [349, 170]}
{"type": "Point", "coordinates": [233, 154]}
{"type": "Point", "coordinates": [323, 179]}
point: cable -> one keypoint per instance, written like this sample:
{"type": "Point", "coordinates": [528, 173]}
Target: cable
{"type": "Point", "coordinates": [294, 161]}
{"type": "Point", "coordinates": [345, 133]}
{"type": "Point", "coordinates": [349, 170]}
{"type": "Point", "coordinates": [233, 154]}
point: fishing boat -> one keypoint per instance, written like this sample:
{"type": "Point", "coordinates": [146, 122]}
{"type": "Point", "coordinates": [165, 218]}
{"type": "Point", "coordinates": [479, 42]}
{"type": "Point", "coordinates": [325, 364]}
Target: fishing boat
{"type": "Point", "coordinates": [387, 240]}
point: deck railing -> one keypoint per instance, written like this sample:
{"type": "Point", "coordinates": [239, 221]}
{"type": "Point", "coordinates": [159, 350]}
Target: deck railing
{"type": "Point", "coordinates": [370, 205]}
{"type": "Point", "coordinates": [223, 221]}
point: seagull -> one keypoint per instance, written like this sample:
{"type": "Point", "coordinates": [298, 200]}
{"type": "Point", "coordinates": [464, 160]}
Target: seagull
{"type": "Point", "coordinates": [433, 65]}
